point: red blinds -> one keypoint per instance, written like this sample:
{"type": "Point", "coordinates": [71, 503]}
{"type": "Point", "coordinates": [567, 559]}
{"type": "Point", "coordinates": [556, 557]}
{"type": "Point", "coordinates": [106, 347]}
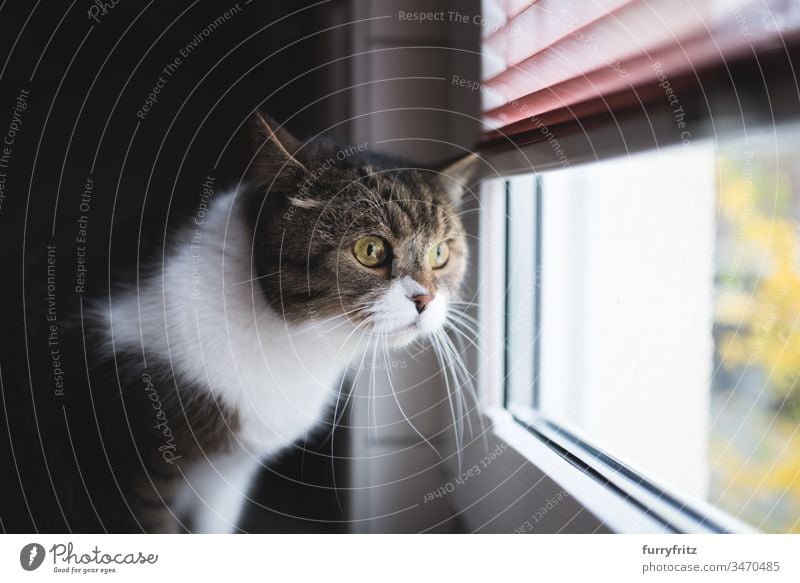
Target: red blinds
{"type": "Point", "coordinates": [547, 59]}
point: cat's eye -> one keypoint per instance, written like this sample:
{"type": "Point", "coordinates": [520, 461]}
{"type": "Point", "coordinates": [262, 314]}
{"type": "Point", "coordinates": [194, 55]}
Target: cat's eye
{"type": "Point", "coordinates": [370, 251]}
{"type": "Point", "coordinates": [438, 254]}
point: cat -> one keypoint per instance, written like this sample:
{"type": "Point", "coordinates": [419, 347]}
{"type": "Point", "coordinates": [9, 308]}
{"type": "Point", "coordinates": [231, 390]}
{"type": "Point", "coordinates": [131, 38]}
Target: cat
{"type": "Point", "coordinates": [234, 345]}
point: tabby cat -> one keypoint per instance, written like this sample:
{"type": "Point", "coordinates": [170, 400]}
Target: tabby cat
{"type": "Point", "coordinates": [233, 345]}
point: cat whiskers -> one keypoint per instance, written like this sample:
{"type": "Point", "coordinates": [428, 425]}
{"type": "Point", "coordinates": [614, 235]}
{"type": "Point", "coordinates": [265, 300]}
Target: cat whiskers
{"type": "Point", "coordinates": [274, 273]}
{"type": "Point", "coordinates": [397, 401]}
{"type": "Point", "coordinates": [464, 327]}
{"type": "Point", "coordinates": [468, 212]}
{"type": "Point", "coordinates": [327, 331]}
{"type": "Point", "coordinates": [457, 363]}
{"type": "Point", "coordinates": [466, 305]}
{"type": "Point", "coordinates": [336, 416]}
{"type": "Point", "coordinates": [457, 423]}
{"type": "Point", "coordinates": [342, 315]}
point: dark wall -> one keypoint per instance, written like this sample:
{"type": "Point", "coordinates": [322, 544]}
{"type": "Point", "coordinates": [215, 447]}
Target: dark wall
{"type": "Point", "coordinates": [79, 86]}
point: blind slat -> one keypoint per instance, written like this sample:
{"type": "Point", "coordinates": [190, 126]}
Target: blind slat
{"type": "Point", "coordinates": [543, 24]}
{"type": "Point", "coordinates": [616, 50]}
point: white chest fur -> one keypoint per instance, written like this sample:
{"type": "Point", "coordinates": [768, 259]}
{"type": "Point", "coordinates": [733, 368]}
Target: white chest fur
{"type": "Point", "coordinates": [202, 314]}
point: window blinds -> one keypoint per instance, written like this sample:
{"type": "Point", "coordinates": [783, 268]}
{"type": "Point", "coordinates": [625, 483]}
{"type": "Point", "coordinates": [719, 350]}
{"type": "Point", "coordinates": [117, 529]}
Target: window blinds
{"type": "Point", "coordinates": [549, 62]}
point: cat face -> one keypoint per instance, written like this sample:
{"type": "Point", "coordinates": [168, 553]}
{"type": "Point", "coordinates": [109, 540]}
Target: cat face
{"type": "Point", "coordinates": [339, 237]}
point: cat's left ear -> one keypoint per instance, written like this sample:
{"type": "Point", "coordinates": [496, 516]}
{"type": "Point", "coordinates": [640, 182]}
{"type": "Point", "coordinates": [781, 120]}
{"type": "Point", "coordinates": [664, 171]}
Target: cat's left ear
{"type": "Point", "coordinates": [277, 153]}
{"type": "Point", "coordinates": [456, 178]}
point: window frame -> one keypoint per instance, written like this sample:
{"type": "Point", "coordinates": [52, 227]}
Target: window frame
{"type": "Point", "coordinates": [736, 92]}
{"type": "Point", "coordinates": [621, 497]}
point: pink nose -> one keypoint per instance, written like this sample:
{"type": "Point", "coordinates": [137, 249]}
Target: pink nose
{"type": "Point", "coordinates": [422, 301]}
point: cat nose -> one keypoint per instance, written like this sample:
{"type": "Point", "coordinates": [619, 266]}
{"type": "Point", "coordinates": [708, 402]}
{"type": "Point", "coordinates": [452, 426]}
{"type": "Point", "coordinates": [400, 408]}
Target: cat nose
{"type": "Point", "coordinates": [422, 301]}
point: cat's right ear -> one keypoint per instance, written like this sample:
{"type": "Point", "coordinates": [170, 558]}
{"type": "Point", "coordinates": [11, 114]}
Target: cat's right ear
{"type": "Point", "coordinates": [277, 161]}
{"type": "Point", "coordinates": [456, 177]}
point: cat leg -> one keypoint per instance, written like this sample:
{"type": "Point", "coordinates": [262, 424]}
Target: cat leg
{"type": "Point", "coordinates": [215, 490]}
{"type": "Point", "coordinates": [151, 499]}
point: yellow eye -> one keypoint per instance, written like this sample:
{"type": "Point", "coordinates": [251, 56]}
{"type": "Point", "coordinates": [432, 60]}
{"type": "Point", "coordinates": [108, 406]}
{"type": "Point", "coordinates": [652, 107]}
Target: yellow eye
{"type": "Point", "coordinates": [370, 251]}
{"type": "Point", "coordinates": [439, 254]}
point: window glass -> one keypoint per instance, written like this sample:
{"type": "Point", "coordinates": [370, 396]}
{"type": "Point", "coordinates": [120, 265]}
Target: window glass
{"type": "Point", "coordinates": [669, 299]}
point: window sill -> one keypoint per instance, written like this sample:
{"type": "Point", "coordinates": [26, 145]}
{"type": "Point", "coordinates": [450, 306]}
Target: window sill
{"type": "Point", "coordinates": [622, 503]}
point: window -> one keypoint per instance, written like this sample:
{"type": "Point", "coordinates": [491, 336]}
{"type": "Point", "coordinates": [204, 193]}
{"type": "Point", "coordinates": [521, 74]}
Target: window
{"type": "Point", "coordinates": [643, 217]}
{"type": "Point", "coordinates": [653, 313]}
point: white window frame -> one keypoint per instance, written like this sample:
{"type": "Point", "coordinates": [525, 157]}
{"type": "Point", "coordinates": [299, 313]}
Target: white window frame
{"type": "Point", "coordinates": [614, 495]}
